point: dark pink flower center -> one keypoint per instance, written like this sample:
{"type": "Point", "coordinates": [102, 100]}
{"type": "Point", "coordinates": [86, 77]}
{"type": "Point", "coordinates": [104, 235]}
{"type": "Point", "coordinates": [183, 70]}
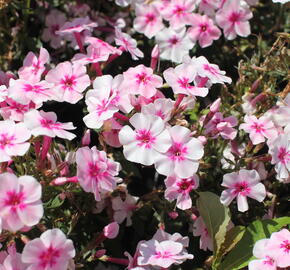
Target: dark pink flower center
{"type": "Point", "coordinates": [184, 82]}
{"type": "Point", "coordinates": [14, 198]}
{"type": "Point", "coordinates": [283, 155]}
{"type": "Point", "coordinates": [203, 27]}
{"type": "Point", "coordinates": [36, 66]}
{"type": "Point", "coordinates": [33, 88]}
{"type": "Point", "coordinates": [69, 82]}
{"type": "Point", "coordinates": [49, 257]}
{"type": "Point", "coordinates": [142, 78]}
{"type": "Point", "coordinates": [94, 170]}
{"type": "Point", "coordinates": [258, 127]}
{"type": "Point", "coordinates": [179, 11]}
{"type": "Point", "coordinates": [150, 18]}
{"type": "Point", "coordinates": [163, 255]}
{"type": "Point", "coordinates": [53, 29]}
{"type": "Point", "coordinates": [268, 261]}
{"type": "Point", "coordinates": [210, 69]}
{"type": "Point", "coordinates": [145, 138]}
{"type": "Point", "coordinates": [177, 152]}
{"type": "Point", "coordinates": [5, 140]}
{"type": "Point", "coordinates": [234, 17]}
{"type": "Point", "coordinates": [285, 246]}
{"type": "Point", "coordinates": [185, 185]}
{"type": "Point", "coordinates": [173, 40]}
{"type": "Point", "coordinates": [242, 188]}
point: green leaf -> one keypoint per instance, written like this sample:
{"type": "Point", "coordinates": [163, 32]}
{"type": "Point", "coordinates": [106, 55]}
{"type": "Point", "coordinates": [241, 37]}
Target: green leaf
{"type": "Point", "coordinates": [54, 203]}
{"type": "Point", "coordinates": [215, 216]}
{"type": "Point", "coordinates": [241, 254]}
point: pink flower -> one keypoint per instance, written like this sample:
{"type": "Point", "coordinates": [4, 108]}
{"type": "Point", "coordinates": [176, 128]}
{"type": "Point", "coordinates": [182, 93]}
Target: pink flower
{"type": "Point", "coordinates": [45, 123]}
{"type": "Point", "coordinates": [181, 159]}
{"type": "Point", "coordinates": [13, 140]}
{"type": "Point", "coordinates": [141, 80]}
{"type": "Point", "coordinates": [3, 93]}
{"type": "Point", "coordinates": [242, 184]}
{"type": "Point", "coordinates": [208, 6]}
{"type": "Point", "coordinates": [280, 152]}
{"type": "Point", "coordinates": [111, 230]}
{"type": "Point", "coordinates": [233, 18]}
{"type": "Point", "coordinates": [123, 209]}
{"type": "Point", "coordinates": [53, 22]}
{"type": "Point", "coordinates": [111, 133]}
{"type": "Point", "coordinates": [145, 143]}
{"type": "Point", "coordinates": [20, 203]}
{"type": "Point", "coordinates": [181, 78]}
{"type": "Point", "coordinates": [199, 229]}
{"type": "Point", "coordinates": [203, 30]}
{"type": "Point", "coordinates": [179, 189]}
{"type": "Point", "coordinates": [265, 260]}
{"type": "Point", "coordinates": [148, 20]}
{"type": "Point", "coordinates": [259, 129]}
{"type": "Point", "coordinates": [218, 125]}
{"type": "Point", "coordinates": [179, 13]}
{"type": "Point", "coordinates": [162, 254]}
{"type": "Point", "coordinates": [12, 260]}
{"type": "Point", "coordinates": [96, 173]}
{"type": "Point", "coordinates": [24, 92]}
{"type": "Point", "coordinates": [34, 66]}
{"type": "Point", "coordinates": [279, 247]}
{"type": "Point", "coordinates": [52, 251]}
{"type": "Point", "coordinates": [128, 43]}
{"type": "Point", "coordinates": [173, 45]}
{"type": "Point", "coordinates": [105, 99]}
{"type": "Point", "coordinates": [69, 80]}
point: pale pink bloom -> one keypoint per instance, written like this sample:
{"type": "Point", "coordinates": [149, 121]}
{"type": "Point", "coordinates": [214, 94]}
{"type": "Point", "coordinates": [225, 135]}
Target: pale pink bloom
{"type": "Point", "coordinates": [123, 209]}
{"type": "Point", "coordinates": [162, 254]}
{"type": "Point", "coordinates": [220, 126]}
{"type": "Point", "coordinates": [105, 47]}
{"type": "Point", "coordinates": [179, 13]}
{"type": "Point", "coordinates": [111, 132]}
{"type": "Point", "coordinates": [69, 80]}
{"type": "Point", "coordinates": [234, 18]}
{"type": "Point", "coordinates": [265, 260]}
{"type": "Point", "coordinates": [161, 107]}
{"type": "Point", "coordinates": [20, 203]}
{"type": "Point", "coordinates": [259, 129]}
{"type": "Point", "coordinates": [281, 116]}
{"type": "Point", "coordinates": [111, 230]}
{"type": "Point", "coordinates": [248, 107]}
{"type": "Point", "coordinates": [12, 260]}
{"type": "Point", "coordinates": [203, 30]}
{"type": "Point", "coordinates": [52, 251]}
{"type": "Point", "coordinates": [182, 157]}
{"type": "Point", "coordinates": [181, 79]}
{"type": "Point", "coordinates": [179, 189]}
{"type": "Point", "coordinates": [281, 1]}
{"type": "Point", "coordinates": [105, 99]}
{"type": "Point", "coordinates": [242, 184]}
{"type": "Point", "coordinates": [53, 22]}
{"type": "Point", "coordinates": [173, 45]}
{"type": "Point", "coordinates": [45, 123]}
{"type": "Point", "coordinates": [280, 152]}
{"type": "Point", "coordinates": [128, 43]}
{"type": "Point", "coordinates": [148, 20]}
{"type": "Point", "coordinates": [139, 101]}
{"type": "Point", "coordinates": [76, 26]}
{"type": "Point", "coordinates": [145, 143]}
{"type": "Point", "coordinates": [208, 6]}
{"type": "Point", "coordinates": [13, 140]}
{"type": "Point", "coordinates": [141, 80]}
{"type": "Point", "coordinates": [13, 110]}
{"type": "Point", "coordinates": [24, 92]}
{"type": "Point", "coordinates": [199, 229]}
{"type": "Point", "coordinates": [34, 66]}
{"type": "Point", "coordinates": [96, 173]}
{"type": "Point", "coordinates": [3, 92]}
{"type": "Point", "coordinates": [279, 247]}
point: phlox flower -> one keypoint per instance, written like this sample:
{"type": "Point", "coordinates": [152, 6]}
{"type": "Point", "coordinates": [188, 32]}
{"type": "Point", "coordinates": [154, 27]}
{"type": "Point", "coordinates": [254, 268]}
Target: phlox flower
{"type": "Point", "coordinates": [128, 43]}
{"type": "Point", "coordinates": [181, 159]}
{"type": "Point", "coordinates": [141, 80]}
{"type": "Point", "coordinates": [111, 132]}
{"type": "Point", "coordinates": [280, 152]}
{"type": "Point", "coordinates": [279, 247]}
{"type": "Point", "coordinates": [53, 22]}
{"type": "Point", "coordinates": [179, 189]}
{"type": "Point", "coordinates": [259, 129]}
{"type": "Point", "coordinates": [12, 260]}
{"type": "Point", "coordinates": [281, 116]}
{"type": "Point", "coordinates": [199, 229]}
{"type": "Point", "coordinates": [123, 209]}
{"type": "Point", "coordinates": [52, 251]}
{"type": "Point", "coordinates": [203, 30]}
{"type": "Point", "coordinates": [24, 92]}
{"type": "Point", "coordinates": [105, 47]}
{"type": "Point", "coordinates": [218, 125]}
{"type": "Point", "coordinates": [181, 79]}
{"type": "Point", "coordinates": [148, 139]}
{"type": "Point", "coordinates": [96, 173]}
{"type": "Point", "coordinates": [161, 107]}
{"type": "Point", "coordinates": [45, 123]}
{"type": "Point", "coordinates": [34, 66]}
{"type": "Point", "coordinates": [69, 80]}
{"type": "Point", "coordinates": [3, 92]}
{"type": "Point", "coordinates": [179, 13]}
{"type": "Point", "coordinates": [234, 18]}
{"type": "Point", "coordinates": [5, 77]}
{"type": "Point", "coordinates": [20, 203]}
{"type": "Point", "coordinates": [173, 45]}
{"type": "Point", "coordinates": [13, 140]}
{"type": "Point", "coordinates": [208, 6]}
{"type": "Point", "coordinates": [105, 99]}
{"type": "Point", "coordinates": [265, 261]}
{"type": "Point", "coordinates": [148, 20]}
{"type": "Point", "coordinates": [242, 184]}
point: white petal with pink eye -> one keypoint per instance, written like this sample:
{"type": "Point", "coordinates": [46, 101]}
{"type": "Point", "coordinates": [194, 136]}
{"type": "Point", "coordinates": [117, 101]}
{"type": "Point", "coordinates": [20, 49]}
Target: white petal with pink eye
{"type": "Point", "coordinates": [252, 176]}
{"type": "Point", "coordinates": [194, 149]}
{"type": "Point", "coordinates": [229, 179]}
{"type": "Point", "coordinates": [140, 121]}
{"type": "Point", "coordinates": [31, 187]}
{"type": "Point", "coordinates": [258, 192]}
{"type": "Point", "coordinates": [186, 168]}
{"type": "Point", "coordinates": [259, 248]}
{"type": "Point", "coordinates": [32, 251]}
{"type": "Point", "coordinates": [242, 203]}
{"type": "Point", "coordinates": [126, 135]}
{"type": "Point", "coordinates": [164, 166]}
{"type": "Point", "coordinates": [54, 236]}
{"type": "Point", "coordinates": [31, 214]}
{"type": "Point", "coordinates": [180, 134]}
{"type": "Point", "coordinates": [8, 181]}
{"type": "Point", "coordinates": [227, 197]}
{"type": "Point", "coordinates": [17, 149]}
{"type": "Point", "coordinates": [163, 141]}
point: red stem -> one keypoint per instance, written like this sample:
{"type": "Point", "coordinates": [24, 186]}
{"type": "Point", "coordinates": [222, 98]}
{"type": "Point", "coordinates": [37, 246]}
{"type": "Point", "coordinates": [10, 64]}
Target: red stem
{"type": "Point", "coordinates": [79, 41]}
{"type": "Point", "coordinates": [121, 116]}
{"type": "Point", "coordinates": [179, 100]}
{"type": "Point", "coordinates": [118, 261]}
{"type": "Point", "coordinates": [98, 69]}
